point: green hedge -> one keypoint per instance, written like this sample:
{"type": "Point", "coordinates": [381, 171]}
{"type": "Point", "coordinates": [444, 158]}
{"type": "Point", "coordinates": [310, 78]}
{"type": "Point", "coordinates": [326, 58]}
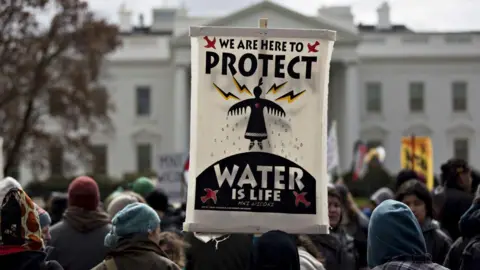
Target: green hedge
{"type": "Point", "coordinates": [106, 184]}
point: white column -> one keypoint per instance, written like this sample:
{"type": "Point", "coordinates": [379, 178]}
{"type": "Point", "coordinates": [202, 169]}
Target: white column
{"type": "Point", "coordinates": [180, 110]}
{"type": "Point", "coordinates": [350, 115]}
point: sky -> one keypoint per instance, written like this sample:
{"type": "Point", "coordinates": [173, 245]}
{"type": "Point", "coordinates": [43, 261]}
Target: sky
{"type": "Point", "coordinates": [419, 15]}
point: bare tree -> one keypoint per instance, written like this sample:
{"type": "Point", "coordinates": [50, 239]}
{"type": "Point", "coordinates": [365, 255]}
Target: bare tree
{"type": "Point", "coordinates": [50, 94]}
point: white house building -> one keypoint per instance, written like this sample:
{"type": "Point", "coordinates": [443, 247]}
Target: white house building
{"type": "Point", "coordinates": [387, 81]}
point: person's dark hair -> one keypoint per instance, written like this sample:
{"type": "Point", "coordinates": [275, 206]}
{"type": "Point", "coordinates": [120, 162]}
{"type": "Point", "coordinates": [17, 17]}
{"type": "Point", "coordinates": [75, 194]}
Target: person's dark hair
{"type": "Point", "coordinates": [419, 190]}
{"type": "Point", "coordinates": [451, 170]}
{"type": "Point", "coordinates": [405, 175]}
{"type": "Point", "coordinates": [305, 242]}
{"type": "Point", "coordinates": [333, 192]}
{"type": "Point", "coordinates": [158, 200]}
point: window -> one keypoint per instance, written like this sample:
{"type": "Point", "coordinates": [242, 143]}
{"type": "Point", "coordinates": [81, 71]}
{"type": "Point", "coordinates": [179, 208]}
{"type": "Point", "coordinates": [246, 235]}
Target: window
{"type": "Point", "coordinates": [144, 157]}
{"type": "Point", "coordinates": [460, 148]}
{"type": "Point", "coordinates": [100, 159]}
{"type": "Point", "coordinates": [100, 99]}
{"type": "Point", "coordinates": [143, 100]}
{"type": "Point", "coordinates": [374, 97]}
{"type": "Point", "coordinates": [56, 161]}
{"type": "Point", "coordinates": [417, 92]}
{"type": "Point", "coordinates": [459, 96]}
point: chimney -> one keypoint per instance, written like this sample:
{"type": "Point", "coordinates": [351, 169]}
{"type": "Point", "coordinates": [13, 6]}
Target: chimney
{"type": "Point", "coordinates": [383, 13]}
{"type": "Point", "coordinates": [339, 14]}
{"type": "Point", "coordinates": [125, 17]}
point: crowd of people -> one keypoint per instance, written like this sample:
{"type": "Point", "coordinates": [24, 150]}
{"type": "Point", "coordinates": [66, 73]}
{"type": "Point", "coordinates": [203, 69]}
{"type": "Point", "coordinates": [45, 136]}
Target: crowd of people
{"type": "Point", "coordinates": [408, 228]}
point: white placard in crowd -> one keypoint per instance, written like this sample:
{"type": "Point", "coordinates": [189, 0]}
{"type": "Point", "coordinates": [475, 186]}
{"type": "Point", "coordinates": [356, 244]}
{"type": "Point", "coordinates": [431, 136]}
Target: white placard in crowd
{"type": "Point", "coordinates": [170, 176]}
{"type": "Point", "coordinates": [258, 130]}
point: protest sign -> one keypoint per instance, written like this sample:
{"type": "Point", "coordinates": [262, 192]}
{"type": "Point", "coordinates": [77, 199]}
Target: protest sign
{"type": "Point", "coordinates": [416, 153]}
{"type": "Point", "coordinates": [171, 176]}
{"type": "Point", "coordinates": [258, 130]}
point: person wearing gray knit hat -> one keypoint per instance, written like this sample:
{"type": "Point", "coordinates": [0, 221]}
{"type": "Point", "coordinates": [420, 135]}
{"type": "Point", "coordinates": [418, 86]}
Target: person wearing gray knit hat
{"type": "Point", "coordinates": [119, 202]}
{"type": "Point", "coordinates": [133, 240]}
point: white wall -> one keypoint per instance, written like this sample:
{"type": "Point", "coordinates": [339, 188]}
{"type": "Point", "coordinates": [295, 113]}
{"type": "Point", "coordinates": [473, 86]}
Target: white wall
{"type": "Point", "coordinates": [438, 120]}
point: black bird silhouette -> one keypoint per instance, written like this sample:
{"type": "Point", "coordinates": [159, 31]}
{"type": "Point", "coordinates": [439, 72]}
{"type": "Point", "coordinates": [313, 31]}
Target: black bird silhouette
{"type": "Point", "coordinates": [256, 128]}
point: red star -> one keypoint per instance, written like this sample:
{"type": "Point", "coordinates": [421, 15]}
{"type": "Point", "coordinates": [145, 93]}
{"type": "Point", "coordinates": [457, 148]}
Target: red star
{"type": "Point", "coordinates": [210, 43]}
{"type": "Point", "coordinates": [300, 198]}
{"type": "Point", "coordinates": [313, 47]}
{"type": "Point", "coordinates": [211, 195]}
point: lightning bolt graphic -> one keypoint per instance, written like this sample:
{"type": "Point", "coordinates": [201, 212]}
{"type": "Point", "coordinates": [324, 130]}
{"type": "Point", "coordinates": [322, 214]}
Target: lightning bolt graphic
{"type": "Point", "coordinates": [241, 88]}
{"type": "Point", "coordinates": [276, 87]}
{"type": "Point", "coordinates": [226, 96]}
{"type": "Point", "coordinates": [290, 96]}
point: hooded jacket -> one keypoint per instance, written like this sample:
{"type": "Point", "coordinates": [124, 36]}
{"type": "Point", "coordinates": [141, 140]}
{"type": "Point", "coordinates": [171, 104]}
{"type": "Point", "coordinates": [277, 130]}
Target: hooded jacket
{"type": "Point", "coordinates": [395, 239]}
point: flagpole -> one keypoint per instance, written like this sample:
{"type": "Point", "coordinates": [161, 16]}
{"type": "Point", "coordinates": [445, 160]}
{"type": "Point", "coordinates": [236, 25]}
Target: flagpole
{"type": "Point", "coordinates": [413, 151]}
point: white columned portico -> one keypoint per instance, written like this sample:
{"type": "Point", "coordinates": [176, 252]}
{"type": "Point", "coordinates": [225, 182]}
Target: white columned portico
{"type": "Point", "coordinates": [351, 114]}
{"type": "Point", "coordinates": [180, 110]}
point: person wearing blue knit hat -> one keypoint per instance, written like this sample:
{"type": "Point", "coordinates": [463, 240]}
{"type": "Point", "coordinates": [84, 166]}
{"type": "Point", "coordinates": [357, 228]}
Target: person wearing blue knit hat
{"type": "Point", "coordinates": [133, 241]}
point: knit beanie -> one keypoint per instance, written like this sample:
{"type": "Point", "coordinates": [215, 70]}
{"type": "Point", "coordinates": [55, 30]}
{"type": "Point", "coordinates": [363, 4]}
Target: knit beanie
{"type": "Point", "coordinates": [43, 216]}
{"type": "Point", "coordinates": [119, 202]}
{"type": "Point", "coordinates": [135, 218]}
{"type": "Point", "coordinates": [83, 192]}
{"type": "Point", "coordinates": [143, 186]}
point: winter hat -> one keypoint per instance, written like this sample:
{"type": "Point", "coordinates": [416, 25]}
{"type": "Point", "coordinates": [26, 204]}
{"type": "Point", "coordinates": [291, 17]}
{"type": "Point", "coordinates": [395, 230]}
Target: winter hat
{"type": "Point", "coordinates": [6, 184]}
{"type": "Point", "coordinates": [143, 186]}
{"type": "Point", "coordinates": [158, 200]}
{"type": "Point", "coordinates": [135, 218]}
{"type": "Point", "coordinates": [275, 250]}
{"type": "Point", "coordinates": [119, 202]}
{"type": "Point", "coordinates": [83, 192]}
{"type": "Point", "coordinates": [44, 217]}
{"type": "Point", "coordinates": [112, 196]}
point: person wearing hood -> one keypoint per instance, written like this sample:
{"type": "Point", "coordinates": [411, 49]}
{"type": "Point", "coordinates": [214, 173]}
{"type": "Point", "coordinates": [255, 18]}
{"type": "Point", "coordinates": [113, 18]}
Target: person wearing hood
{"type": "Point", "coordinates": [275, 250]}
{"type": "Point", "coordinates": [395, 240]}
{"type": "Point", "coordinates": [21, 243]}
{"type": "Point", "coordinates": [417, 197]}
{"type": "Point", "coordinates": [469, 226]}
{"type": "Point", "coordinates": [338, 247]}
{"type": "Point", "coordinates": [77, 240]}
{"type": "Point", "coordinates": [6, 184]}
{"type": "Point", "coordinates": [133, 241]}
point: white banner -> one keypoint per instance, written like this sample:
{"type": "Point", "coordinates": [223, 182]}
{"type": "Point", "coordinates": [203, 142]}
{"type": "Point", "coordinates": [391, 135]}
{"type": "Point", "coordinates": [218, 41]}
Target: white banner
{"type": "Point", "coordinates": [171, 177]}
{"type": "Point", "coordinates": [333, 156]}
{"type": "Point", "coordinates": [258, 130]}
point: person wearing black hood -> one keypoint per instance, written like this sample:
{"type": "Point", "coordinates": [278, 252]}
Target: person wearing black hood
{"type": "Point", "coordinates": [417, 197]}
{"type": "Point", "coordinates": [275, 250]}
{"type": "Point", "coordinates": [456, 197]}
{"type": "Point", "coordinates": [338, 247]}
{"type": "Point", "coordinates": [465, 252]}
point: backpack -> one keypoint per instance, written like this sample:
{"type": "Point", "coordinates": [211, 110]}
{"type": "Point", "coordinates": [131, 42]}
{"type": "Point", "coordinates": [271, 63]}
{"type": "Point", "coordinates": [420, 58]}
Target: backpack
{"type": "Point", "coordinates": [470, 259]}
